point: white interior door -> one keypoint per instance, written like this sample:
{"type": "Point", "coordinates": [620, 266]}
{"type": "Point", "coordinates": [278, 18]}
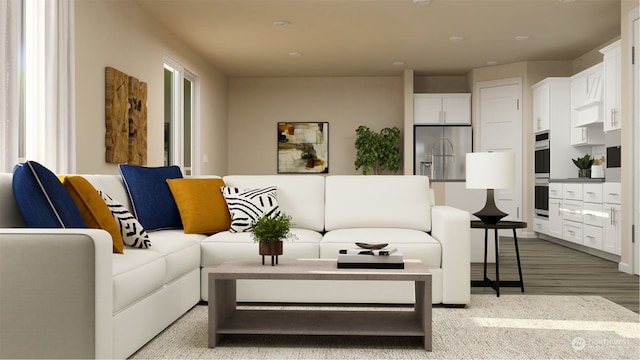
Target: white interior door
{"type": "Point", "coordinates": [500, 128]}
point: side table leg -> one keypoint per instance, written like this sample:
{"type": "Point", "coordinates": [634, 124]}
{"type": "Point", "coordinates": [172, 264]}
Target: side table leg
{"type": "Point", "coordinates": [515, 241]}
{"type": "Point", "coordinates": [495, 237]}
{"type": "Point", "coordinates": [486, 231]}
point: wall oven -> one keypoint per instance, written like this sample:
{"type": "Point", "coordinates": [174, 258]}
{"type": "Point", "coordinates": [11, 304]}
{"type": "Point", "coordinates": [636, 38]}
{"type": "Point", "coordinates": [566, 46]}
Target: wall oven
{"type": "Point", "coordinates": [541, 197]}
{"type": "Point", "coordinates": [542, 159]}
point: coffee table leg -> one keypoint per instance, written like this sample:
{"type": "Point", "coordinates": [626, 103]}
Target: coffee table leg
{"type": "Point", "coordinates": [222, 304]}
{"type": "Point", "coordinates": [423, 311]}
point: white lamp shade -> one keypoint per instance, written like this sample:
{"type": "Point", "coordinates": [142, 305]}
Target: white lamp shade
{"type": "Point", "coordinates": [491, 170]}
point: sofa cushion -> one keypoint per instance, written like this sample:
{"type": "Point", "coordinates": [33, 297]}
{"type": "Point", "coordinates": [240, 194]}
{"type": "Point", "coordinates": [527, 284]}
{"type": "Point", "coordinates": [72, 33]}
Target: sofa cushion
{"type": "Point", "coordinates": [93, 208]}
{"type": "Point", "coordinates": [392, 201]}
{"type": "Point", "coordinates": [42, 199]}
{"type": "Point", "coordinates": [241, 245]}
{"type": "Point", "coordinates": [248, 205]}
{"type": "Point", "coordinates": [133, 233]}
{"type": "Point", "coordinates": [181, 251]}
{"type": "Point", "coordinates": [201, 204]}
{"type": "Point", "coordinates": [151, 198]}
{"type": "Point", "coordinates": [413, 244]}
{"type": "Point", "coordinates": [136, 274]}
{"type": "Point", "coordinates": [300, 196]}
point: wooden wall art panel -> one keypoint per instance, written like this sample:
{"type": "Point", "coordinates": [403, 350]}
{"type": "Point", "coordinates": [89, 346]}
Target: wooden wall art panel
{"type": "Point", "coordinates": [125, 118]}
{"type": "Point", "coordinates": [137, 122]}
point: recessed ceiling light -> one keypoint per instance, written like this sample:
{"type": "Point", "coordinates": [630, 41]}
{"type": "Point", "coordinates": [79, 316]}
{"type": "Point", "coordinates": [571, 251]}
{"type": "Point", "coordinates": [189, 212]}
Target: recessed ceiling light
{"type": "Point", "coordinates": [566, 1]}
{"type": "Point", "coordinates": [295, 54]}
{"type": "Point", "coordinates": [421, 2]}
{"type": "Point", "coordinates": [397, 63]}
{"type": "Point", "coordinates": [492, 62]}
{"type": "Point", "coordinates": [522, 37]}
{"type": "Point", "coordinates": [281, 23]}
{"type": "Point", "coordinates": [456, 38]}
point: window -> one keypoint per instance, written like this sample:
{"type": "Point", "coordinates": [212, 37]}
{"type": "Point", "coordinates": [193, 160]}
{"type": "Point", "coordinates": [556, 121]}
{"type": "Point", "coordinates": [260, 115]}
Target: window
{"type": "Point", "coordinates": [181, 142]}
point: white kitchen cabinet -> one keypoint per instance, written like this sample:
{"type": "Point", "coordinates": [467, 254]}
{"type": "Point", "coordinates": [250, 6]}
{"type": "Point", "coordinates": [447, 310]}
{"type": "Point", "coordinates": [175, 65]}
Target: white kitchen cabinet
{"type": "Point", "coordinates": [612, 86]}
{"type": "Point", "coordinates": [586, 96]}
{"type": "Point", "coordinates": [586, 214]}
{"type": "Point", "coordinates": [583, 135]}
{"type": "Point", "coordinates": [554, 227]}
{"type": "Point", "coordinates": [447, 109]}
{"type": "Point", "coordinates": [572, 231]}
{"type": "Point", "coordinates": [541, 107]}
{"type": "Point", "coordinates": [612, 213]}
{"type": "Point", "coordinates": [552, 113]}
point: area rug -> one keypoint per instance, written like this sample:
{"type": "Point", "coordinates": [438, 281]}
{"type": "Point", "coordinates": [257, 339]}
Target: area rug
{"type": "Point", "coordinates": [505, 327]}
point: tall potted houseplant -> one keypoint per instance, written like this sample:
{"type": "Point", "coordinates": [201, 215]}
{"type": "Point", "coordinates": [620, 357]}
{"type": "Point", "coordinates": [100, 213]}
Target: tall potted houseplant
{"type": "Point", "coordinates": [268, 232]}
{"type": "Point", "coordinates": [377, 152]}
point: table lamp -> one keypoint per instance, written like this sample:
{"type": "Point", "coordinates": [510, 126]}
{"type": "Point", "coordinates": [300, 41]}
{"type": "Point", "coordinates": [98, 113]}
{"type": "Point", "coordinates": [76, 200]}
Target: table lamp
{"type": "Point", "coordinates": [490, 171]}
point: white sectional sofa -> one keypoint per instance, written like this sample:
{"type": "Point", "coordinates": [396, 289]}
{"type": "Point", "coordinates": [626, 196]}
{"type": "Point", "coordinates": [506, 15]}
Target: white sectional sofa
{"type": "Point", "coordinates": [64, 294]}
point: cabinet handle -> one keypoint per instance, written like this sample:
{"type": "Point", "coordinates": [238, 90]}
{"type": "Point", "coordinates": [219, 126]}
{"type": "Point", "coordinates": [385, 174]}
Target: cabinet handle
{"type": "Point", "coordinates": [571, 232]}
{"type": "Point", "coordinates": [590, 192]}
{"type": "Point", "coordinates": [614, 194]}
{"type": "Point", "coordinates": [613, 117]}
{"type": "Point", "coordinates": [590, 237]}
{"type": "Point", "coordinates": [611, 220]}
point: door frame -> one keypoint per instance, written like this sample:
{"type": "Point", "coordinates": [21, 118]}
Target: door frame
{"type": "Point", "coordinates": [633, 106]}
{"type": "Point", "coordinates": [520, 179]}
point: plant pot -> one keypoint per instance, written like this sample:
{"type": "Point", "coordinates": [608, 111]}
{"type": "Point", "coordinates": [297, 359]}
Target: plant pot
{"type": "Point", "coordinates": [584, 173]}
{"type": "Point", "coordinates": [270, 248]}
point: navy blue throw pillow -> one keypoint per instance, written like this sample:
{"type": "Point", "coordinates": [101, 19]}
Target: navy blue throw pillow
{"type": "Point", "coordinates": [42, 199]}
{"type": "Point", "coordinates": [151, 197]}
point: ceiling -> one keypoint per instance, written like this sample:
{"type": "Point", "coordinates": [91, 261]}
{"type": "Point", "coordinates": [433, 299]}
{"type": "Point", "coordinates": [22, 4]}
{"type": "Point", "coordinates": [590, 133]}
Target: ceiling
{"type": "Point", "coordinates": [366, 37]}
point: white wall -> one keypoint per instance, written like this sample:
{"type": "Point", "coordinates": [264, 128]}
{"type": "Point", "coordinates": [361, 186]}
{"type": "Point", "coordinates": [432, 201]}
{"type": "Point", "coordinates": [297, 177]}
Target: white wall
{"type": "Point", "coordinates": [256, 105]}
{"type": "Point", "coordinates": [122, 35]}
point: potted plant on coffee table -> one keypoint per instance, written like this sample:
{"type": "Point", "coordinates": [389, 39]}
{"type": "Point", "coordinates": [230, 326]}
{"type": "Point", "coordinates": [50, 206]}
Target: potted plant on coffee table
{"type": "Point", "coordinates": [268, 232]}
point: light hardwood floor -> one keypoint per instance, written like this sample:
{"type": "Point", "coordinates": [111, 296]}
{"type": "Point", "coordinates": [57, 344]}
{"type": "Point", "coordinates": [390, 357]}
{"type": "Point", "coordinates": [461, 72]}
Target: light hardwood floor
{"type": "Point", "coordinates": [552, 269]}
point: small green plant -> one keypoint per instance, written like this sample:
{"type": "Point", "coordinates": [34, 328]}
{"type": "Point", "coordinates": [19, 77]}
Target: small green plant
{"type": "Point", "coordinates": [272, 228]}
{"type": "Point", "coordinates": [377, 152]}
{"type": "Point", "coordinates": [584, 162]}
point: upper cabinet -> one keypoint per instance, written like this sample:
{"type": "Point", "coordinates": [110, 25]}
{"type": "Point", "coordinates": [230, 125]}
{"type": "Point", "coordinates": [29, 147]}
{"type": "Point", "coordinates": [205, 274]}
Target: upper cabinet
{"type": "Point", "coordinates": [541, 106]}
{"type": "Point", "coordinates": [438, 109]}
{"type": "Point", "coordinates": [586, 96]}
{"type": "Point", "coordinates": [612, 86]}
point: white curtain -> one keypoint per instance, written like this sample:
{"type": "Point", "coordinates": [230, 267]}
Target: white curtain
{"type": "Point", "coordinates": [50, 83]}
{"type": "Point", "coordinates": [10, 25]}
{"type": "Point", "coordinates": [60, 105]}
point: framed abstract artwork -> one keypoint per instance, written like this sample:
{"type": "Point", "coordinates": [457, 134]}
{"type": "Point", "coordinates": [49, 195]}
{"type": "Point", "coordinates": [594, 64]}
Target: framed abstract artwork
{"type": "Point", "coordinates": [303, 147]}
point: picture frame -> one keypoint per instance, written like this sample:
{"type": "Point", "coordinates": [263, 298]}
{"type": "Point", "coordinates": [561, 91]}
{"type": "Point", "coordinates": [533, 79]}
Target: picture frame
{"type": "Point", "coordinates": [303, 147]}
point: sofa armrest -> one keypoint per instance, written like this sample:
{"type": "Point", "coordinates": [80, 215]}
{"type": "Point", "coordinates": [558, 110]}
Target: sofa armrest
{"type": "Point", "coordinates": [451, 227]}
{"type": "Point", "coordinates": [56, 293]}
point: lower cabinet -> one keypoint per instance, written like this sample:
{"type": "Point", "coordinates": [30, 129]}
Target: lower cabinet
{"type": "Point", "coordinates": [586, 214]}
{"type": "Point", "coordinates": [611, 241]}
{"type": "Point", "coordinates": [572, 231]}
{"type": "Point", "coordinates": [555, 218]}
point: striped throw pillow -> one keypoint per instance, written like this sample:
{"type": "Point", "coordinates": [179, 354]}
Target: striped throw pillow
{"type": "Point", "coordinates": [133, 234]}
{"type": "Point", "coordinates": [248, 205]}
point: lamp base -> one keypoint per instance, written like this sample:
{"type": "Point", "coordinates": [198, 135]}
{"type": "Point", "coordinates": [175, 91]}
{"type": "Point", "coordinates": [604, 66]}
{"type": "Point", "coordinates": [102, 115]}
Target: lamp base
{"type": "Point", "coordinates": [490, 214]}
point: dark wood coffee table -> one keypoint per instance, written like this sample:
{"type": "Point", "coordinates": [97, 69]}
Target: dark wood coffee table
{"type": "Point", "coordinates": [226, 318]}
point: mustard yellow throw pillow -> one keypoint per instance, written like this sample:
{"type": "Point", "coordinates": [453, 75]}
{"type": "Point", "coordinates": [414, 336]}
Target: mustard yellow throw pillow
{"type": "Point", "coordinates": [202, 207]}
{"type": "Point", "coordinates": [93, 209]}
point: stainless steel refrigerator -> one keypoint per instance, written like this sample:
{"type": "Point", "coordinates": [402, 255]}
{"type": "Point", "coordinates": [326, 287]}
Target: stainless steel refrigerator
{"type": "Point", "coordinates": [440, 151]}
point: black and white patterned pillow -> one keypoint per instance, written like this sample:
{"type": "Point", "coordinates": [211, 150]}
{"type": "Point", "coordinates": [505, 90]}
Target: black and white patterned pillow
{"type": "Point", "coordinates": [133, 234]}
{"type": "Point", "coordinates": [248, 205]}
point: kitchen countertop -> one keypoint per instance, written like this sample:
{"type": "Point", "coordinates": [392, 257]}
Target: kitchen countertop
{"type": "Point", "coordinates": [578, 180]}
